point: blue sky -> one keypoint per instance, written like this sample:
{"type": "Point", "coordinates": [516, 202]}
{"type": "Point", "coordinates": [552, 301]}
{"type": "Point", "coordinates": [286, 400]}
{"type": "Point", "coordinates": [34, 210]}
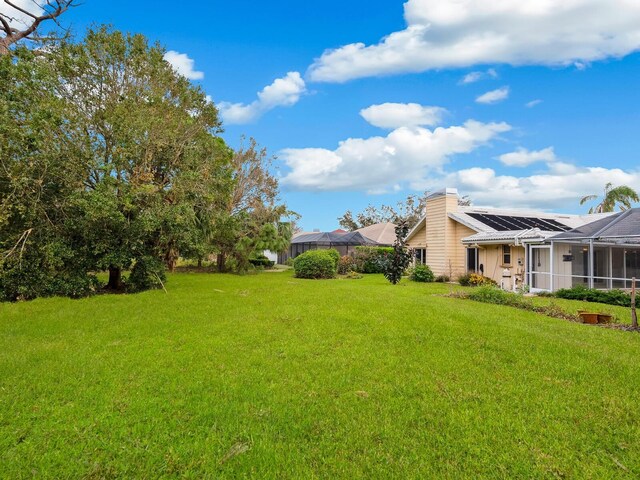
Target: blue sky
{"type": "Point", "coordinates": [386, 78]}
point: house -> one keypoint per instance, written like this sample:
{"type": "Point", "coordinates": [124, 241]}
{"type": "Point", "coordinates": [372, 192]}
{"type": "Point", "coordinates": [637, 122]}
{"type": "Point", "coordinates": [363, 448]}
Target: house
{"type": "Point", "coordinates": [384, 234]}
{"type": "Point", "coordinates": [345, 243]}
{"type": "Point", "coordinates": [604, 253]}
{"type": "Point", "coordinates": [504, 244]}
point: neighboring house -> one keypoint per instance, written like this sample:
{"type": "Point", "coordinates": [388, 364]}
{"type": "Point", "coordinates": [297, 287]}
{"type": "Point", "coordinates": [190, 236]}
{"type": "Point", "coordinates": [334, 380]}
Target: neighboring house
{"type": "Point", "coordinates": [384, 234]}
{"type": "Point", "coordinates": [345, 243]}
{"type": "Point", "coordinates": [499, 243]}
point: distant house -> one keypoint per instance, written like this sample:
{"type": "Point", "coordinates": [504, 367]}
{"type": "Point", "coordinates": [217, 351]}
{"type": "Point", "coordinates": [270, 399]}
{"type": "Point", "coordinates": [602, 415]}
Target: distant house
{"type": "Point", "coordinates": [345, 243]}
{"type": "Point", "coordinates": [384, 234]}
{"type": "Point", "coordinates": [506, 245]}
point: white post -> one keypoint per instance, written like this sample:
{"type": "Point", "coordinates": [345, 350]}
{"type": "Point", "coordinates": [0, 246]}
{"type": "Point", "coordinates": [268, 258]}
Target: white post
{"type": "Point", "coordinates": [610, 282]}
{"type": "Point", "coordinates": [591, 257]}
{"type": "Point", "coordinates": [551, 267]}
{"type": "Point", "coordinates": [634, 317]}
{"type": "Point", "coordinates": [530, 266]}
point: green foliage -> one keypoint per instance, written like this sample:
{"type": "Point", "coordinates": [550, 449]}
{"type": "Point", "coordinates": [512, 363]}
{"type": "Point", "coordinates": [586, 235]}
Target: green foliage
{"type": "Point", "coordinates": [400, 259]}
{"type": "Point", "coordinates": [346, 264]}
{"type": "Point", "coordinates": [497, 296]}
{"type": "Point", "coordinates": [351, 275]}
{"type": "Point", "coordinates": [475, 280]}
{"type": "Point", "coordinates": [622, 196]}
{"type": "Point", "coordinates": [109, 159]}
{"type": "Point", "coordinates": [371, 259]}
{"type": "Point", "coordinates": [409, 210]}
{"type": "Point", "coordinates": [315, 264]}
{"type": "Point", "coordinates": [333, 253]}
{"type": "Point", "coordinates": [442, 278]}
{"type": "Point", "coordinates": [478, 280]}
{"type": "Point", "coordinates": [261, 261]}
{"type": "Point", "coordinates": [610, 297]}
{"type": "Point", "coordinates": [148, 272]}
{"type": "Point", "coordinates": [421, 273]}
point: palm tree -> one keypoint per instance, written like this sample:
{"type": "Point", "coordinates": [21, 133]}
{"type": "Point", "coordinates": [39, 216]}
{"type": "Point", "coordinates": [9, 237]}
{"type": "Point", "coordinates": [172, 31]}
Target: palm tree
{"type": "Point", "coordinates": [621, 196]}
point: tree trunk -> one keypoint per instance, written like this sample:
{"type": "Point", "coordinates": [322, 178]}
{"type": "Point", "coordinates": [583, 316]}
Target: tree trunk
{"type": "Point", "coordinates": [115, 278]}
{"type": "Point", "coordinates": [200, 262]}
{"type": "Point", "coordinates": [170, 259]}
{"type": "Point", "coordinates": [221, 261]}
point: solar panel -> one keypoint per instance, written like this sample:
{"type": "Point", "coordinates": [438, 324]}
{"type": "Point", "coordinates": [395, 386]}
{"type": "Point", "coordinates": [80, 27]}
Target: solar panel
{"type": "Point", "coordinates": [504, 223]}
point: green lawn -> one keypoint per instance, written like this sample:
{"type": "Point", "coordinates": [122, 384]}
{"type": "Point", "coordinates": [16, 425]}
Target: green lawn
{"type": "Point", "coordinates": [269, 376]}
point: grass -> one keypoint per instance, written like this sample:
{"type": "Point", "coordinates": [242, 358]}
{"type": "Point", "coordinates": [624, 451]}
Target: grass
{"type": "Point", "coordinates": [269, 376]}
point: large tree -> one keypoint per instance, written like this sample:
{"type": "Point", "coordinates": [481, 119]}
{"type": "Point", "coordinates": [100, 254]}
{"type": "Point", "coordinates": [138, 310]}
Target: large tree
{"type": "Point", "coordinates": [252, 216]}
{"type": "Point", "coordinates": [146, 137]}
{"type": "Point", "coordinates": [21, 21]}
{"type": "Point", "coordinates": [621, 196]}
{"type": "Point", "coordinates": [109, 161]}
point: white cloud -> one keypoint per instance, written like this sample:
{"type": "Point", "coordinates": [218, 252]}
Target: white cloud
{"type": "Point", "coordinates": [395, 115]}
{"type": "Point", "coordinates": [560, 187]}
{"type": "Point", "coordinates": [523, 157]}
{"type": "Point", "coordinates": [473, 77]}
{"type": "Point", "coordinates": [183, 65]}
{"type": "Point", "coordinates": [533, 103]}
{"type": "Point", "coordinates": [456, 34]}
{"type": "Point", "coordinates": [494, 96]}
{"type": "Point", "coordinates": [283, 92]}
{"type": "Point", "coordinates": [376, 164]}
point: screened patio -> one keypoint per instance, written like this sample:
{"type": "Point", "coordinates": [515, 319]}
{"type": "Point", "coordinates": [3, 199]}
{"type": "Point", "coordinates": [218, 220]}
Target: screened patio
{"type": "Point", "coordinates": [604, 254]}
{"type": "Point", "coordinates": [345, 243]}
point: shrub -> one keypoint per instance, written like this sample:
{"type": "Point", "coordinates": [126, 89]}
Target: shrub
{"type": "Point", "coordinates": [477, 280]}
{"type": "Point", "coordinates": [496, 296]}
{"type": "Point", "coordinates": [289, 262]}
{"type": "Point", "coordinates": [442, 278]}
{"type": "Point", "coordinates": [492, 294]}
{"type": "Point", "coordinates": [397, 263]}
{"type": "Point", "coordinates": [315, 264]}
{"type": "Point", "coordinates": [372, 259]}
{"type": "Point", "coordinates": [333, 253]}
{"type": "Point", "coordinates": [610, 297]}
{"type": "Point", "coordinates": [261, 261]}
{"type": "Point", "coordinates": [422, 273]}
{"type": "Point", "coordinates": [465, 279]}
{"type": "Point", "coordinates": [346, 264]}
{"type": "Point", "coordinates": [148, 272]}
{"type": "Point", "coordinates": [353, 276]}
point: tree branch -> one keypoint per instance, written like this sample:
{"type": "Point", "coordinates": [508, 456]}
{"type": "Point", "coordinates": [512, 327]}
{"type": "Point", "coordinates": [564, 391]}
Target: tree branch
{"type": "Point", "coordinates": [52, 11]}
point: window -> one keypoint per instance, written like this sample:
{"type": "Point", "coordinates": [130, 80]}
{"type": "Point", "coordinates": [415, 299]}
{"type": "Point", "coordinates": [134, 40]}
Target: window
{"type": "Point", "coordinates": [421, 255]}
{"type": "Point", "coordinates": [506, 255]}
{"type": "Point", "coordinates": [472, 260]}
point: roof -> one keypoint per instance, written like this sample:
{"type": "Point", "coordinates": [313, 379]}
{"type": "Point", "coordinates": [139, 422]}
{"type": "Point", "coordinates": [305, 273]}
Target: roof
{"type": "Point", "coordinates": [479, 219]}
{"type": "Point", "coordinates": [333, 238]}
{"type": "Point", "coordinates": [617, 225]}
{"type": "Point", "coordinates": [382, 233]}
{"type": "Point", "coordinates": [508, 236]}
{"type": "Point", "coordinates": [511, 225]}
